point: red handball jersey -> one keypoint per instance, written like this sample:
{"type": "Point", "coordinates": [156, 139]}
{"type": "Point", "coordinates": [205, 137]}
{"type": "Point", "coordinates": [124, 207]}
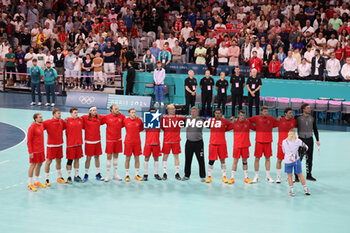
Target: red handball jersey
{"type": "Point", "coordinates": [264, 126]}
{"type": "Point", "coordinates": [284, 127]}
{"type": "Point", "coordinates": [54, 129]}
{"type": "Point", "coordinates": [133, 128]}
{"type": "Point", "coordinates": [35, 139]}
{"type": "Point", "coordinates": [114, 123]}
{"type": "Point", "coordinates": [171, 125]}
{"type": "Point", "coordinates": [92, 128]}
{"type": "Point", "coordinates": [241, 133]}
{"type": "Point", "coordinates": [218, 130]}
{"type": "Point", "coordinates": [74, 131]}
{"type": "Point", "coordinates": [152, 137]}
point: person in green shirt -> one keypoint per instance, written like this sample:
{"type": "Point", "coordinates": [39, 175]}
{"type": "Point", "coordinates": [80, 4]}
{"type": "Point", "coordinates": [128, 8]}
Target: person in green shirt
{"type": "Point", "coordinates": [50, 74]}
{"type": "Point", "coordinates": [10, 59]}
{"type": "Point", "coordinates": [200, 54]}
{"type": "Point", "coordinates": [335, 21]}
{"type": "Point", "coordinates": [35, 73]}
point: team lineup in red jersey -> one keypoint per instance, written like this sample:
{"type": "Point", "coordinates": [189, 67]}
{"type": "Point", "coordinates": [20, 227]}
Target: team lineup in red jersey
{"type": "Point", "coordinates": [171, 125]}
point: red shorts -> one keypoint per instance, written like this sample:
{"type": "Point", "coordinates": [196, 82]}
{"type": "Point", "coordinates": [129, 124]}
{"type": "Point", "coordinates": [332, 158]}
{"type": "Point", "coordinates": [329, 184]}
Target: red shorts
{"type": "Point", "coordinates": [263, 148]}
{"type": "Point", "coordinates": [130, 149]}
{"type": "Point", "coordinates": [241, 152]}
{"type": "Point", "coordinates": [171, 147]}
{"type": "Point", "coordinates": [216, 151]}
{"type": "Point", "coordinates": [280, 154]}
{"type": "Point", "coordinates": [114, 147]}
{"type": "Point", "coordinates": [37, 158]}
{"type": "Point", "coordinates": [74, 152]}
{"type": "Point", "coordinates": [54, 152]}
{"type": "Point", "coordinates": [93, 149]}
{"type": "Point", "coordinates": [152, 149]}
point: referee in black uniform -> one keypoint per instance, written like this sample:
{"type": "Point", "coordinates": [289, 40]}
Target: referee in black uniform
{"type": "Point", "coordinates": [190, 89]}
{"type": "Point", "coordinates": [254, 85]}
{"type": "Point", "coordinates": [237, 83]}
{"type": "Point", "coordinates": [221, 87]}
{"type": "Point", "coordinates": [206, 84]}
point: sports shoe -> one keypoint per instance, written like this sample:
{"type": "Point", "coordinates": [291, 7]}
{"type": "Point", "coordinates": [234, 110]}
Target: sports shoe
{"type": "Point", "coordinates": [69, 180]}
{"type": "Point", "coordinates": [291, 193]}
{"type": "Point", "coordinates": [86, 178]}
{"type": "Point", "coordinates": [224, 179]}
{"type": "Point", "coordinates": [248, 181]}
{"type": "Point", "coordinates": [107, 178]}
{"type": "Point", "coordinates": [231, 181]}
{"type": "Point", "coordinates": [156, 104]}
{"type": "Point", "coordinates": [165, 176]}
{"type": "Point", "coordinates": [47, 183]}
{"type": "Point", "coordinates": [127, 178]}
{"type": "Point", "coordinates": [278, 180]}
{"type": "Point", "coordinates": [61, 180]}
{"type": "Point", "coordinates": [309, 177]}
{"type": "Point", "coordinates": [306, 191]}
{"type": "Point", "coordinates": [47, 104]}
{"type": "Point", "coordinates": [31, 188]}
{"type": "Point", "coordinates": [145, 178]}
{"type": "Point", "coordinates": [32, 103]}
{"type": "Point", "coordinates": [177, 176]}
{"type": "Point", "coordinates": [162, 104]}
{"type": "Point", "coordinates": [39, 185]}
{"type": "Point", "coordinates": [53, 105]}
{"type": "Point", "coordinates": [256, 178]}
{"type": "Point", "coordinates": [137, 177]}
{"type": "Point", "coordinates": [78, 179]}
{"type": "Point", "coordinates": [99, 177]}
{"type": "Point", "coordinates": [185, 178]}
{"type": "Point", "coordinates": [202, 179]}
{"type": "Point", "coordinates": [269, 179]}
{"type": "Point", "coordinates": [39, 104]}
{"type": "Point", "coordinates": [157, 177]}
{"type": "Point", "coordinates": [208, 180]}
{"type": "Point", "coordinates": [117, 177]}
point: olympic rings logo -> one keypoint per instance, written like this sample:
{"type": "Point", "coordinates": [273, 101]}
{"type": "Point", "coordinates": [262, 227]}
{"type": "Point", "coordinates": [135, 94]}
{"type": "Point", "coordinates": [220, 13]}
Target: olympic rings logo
{"type": "Point", "coordinates": [86, 99]}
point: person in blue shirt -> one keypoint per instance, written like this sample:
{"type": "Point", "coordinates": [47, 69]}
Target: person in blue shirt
{"type": "Point", "coordinates": [69, 67]}
{"type": "Point", "coordinates": [35, 73]}
{"type": "Point", "coordinates": [165, 56]}
{"type": "Point", "coordinates": [155, 50]}
{"type": "Point", "coordinates": [50, 76]}
{"type": "Point", "coordinates": [129, 18]}
{"type": "Point", "coordinates": [21, 65]}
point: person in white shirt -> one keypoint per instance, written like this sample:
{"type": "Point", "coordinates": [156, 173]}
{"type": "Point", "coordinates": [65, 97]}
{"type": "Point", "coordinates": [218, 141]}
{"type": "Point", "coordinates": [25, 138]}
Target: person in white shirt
{"type": "Point", "coordinates": [158, 77]}
{"type": "Point", "coordinates": [345, 70]}
{"type": "Point", "coordinates": [34, 31]}
{"type": "Point", "coordinates": [77, 70]}
{"type": "Point", "coordinates": [309, 54]}
{"type": "Point", "coordinates": [41, 59]}
{"type": "Point", "coordinates": [114, 26]}
{"type": "Point", "coordinates": [50, 21]}
{"type": "Point", "coordinates": [49, 58]}
{"type": "Point", "coordinates": [332, 43]}
{"type": "Point", "coordinates": [290, 66]}
{"type": "Point", "coordinates": [4, 49]}
{"type": "Point", "coordinates": [320, 40]}
{"type": "Point", "coordinates": [291, 147]}
{"type": "Point", "coordinates": [47, 31]}
{"type": "Point", "coordinates": [171, 40]}
{"type": "Point", "coordinates": [259, 51]}
{"type": "Point", "coordinates": [185, 32]}
{"type": "Point", "coordinates": [307, 28]}
{"type": "Point", "coordinates": [160, 42]}
{"type": "Point", "coordinates": [304, 70]}
{"type": "Point", "coordinates": [333, 68]}
{"type": "Point", "coordinates": [223, 54]}
{"type": "Point", "coordinates": [220, 25]}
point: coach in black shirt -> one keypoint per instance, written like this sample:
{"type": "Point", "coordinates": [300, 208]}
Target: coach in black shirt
{"type": "Point", "coordinates": [221, 87]}
{"type": "Point", "coordinates": [190, 90]}
{"type": "Point", "coordinates": [237, 83]}
{"type": "Point", "coordinates": [253, 86]}
{"type": "Point", "coordinates": [206, 85]}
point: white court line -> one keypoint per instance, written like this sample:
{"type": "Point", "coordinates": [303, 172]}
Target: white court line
{"type": "Point", "coordinates": [6, 161]}
{"type": "Point", "coordinates": [25, 136]}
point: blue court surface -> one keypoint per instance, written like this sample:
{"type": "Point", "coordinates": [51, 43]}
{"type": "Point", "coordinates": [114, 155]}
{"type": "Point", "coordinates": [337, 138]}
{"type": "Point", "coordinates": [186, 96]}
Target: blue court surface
{"type": "Point", "coordinates": [170, 206]}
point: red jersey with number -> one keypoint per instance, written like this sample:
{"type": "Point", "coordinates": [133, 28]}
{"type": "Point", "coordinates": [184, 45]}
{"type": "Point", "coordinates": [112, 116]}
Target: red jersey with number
{"type": "Point", "coordinates": [54, 129]}
{"type": "Point", "coordinates": [133, 128]}
{"type": "Point", "coordinates": [92, 128]}
{"type": "Point", "coordinates": [264, 126]}
{"type": "Point", "coordinates": [152, 137]}
{"type": "Point", "coordinates": [284, 127]}
{"type": "Point", "coordinates": [35, 139]}
{"type": "Point", "coordinates": [114, 123]}
{"type": "Point", "coordinates": [218, 130]}
{"type": "Point", "coordinates": [74, 131]}
{"type": "Point", "coordinates": [241, 130]}
{"type": "Point", "coordinates": [171, 125]}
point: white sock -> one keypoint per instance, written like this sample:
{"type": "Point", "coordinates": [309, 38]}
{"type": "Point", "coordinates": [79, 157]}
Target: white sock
{"type": "Point", "coordinates": [115, 165]}
{"type": "Point", "coordinates": [76, 172]}
{"type": "Point", "coordinates": [256, 173]}
{"type": "Point", "coordinates": [233, 174]}
{"type": "Point", "coordinates": [59, 173]}
{"type": "Point", "coordinates": [156, 167]}
{"type": "Point", "coordinates": [177, 169]}
{"type": "Point", "coordinates": [30, 180]}
{"type": "Point", "coordinates": [305, 188]}
{"type": "Point", "coordinates": [291, 188]}
{"type": "Point", "coordinates": [145, 167]}
{"type": "Point", "coordinates": [278, 172]}
{"type": "Point", "coordinates": [267, 173]}
{"type": "Point", "coordinates": [97, 170]}
{"type": "Point", "coordinates": [210, 169]}
{"type": "Point", "coordinates": [108, 163]}
{"type": "Point", "coordinates": [46, 176]}
{"type": "Point", "coordinates": [69, 172]}
{"type": "Point", "coordinates": [127, 172]}
{"type": "Point", "coordinates": [137, 171]}
{"type": "Point", "coordinates": [86, 170]}
{"type": "Point", "coordinates": [164, 166]}
{"type": "Point", "coordinates": [36, 179]}
{"type": "Point", "coordinates": [245, 174]}
{"type": "Point", "coordinates": [223, 169]}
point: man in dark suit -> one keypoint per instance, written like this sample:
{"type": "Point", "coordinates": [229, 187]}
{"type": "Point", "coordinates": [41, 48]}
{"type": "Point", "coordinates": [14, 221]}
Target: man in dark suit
{"type": "Point", "coordinates": [318, 65]}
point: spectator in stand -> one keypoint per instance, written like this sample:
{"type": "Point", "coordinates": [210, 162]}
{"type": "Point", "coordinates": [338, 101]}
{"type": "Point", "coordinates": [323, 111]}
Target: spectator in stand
{"type": "Point", "coordinates": [290, 66]}
{"type": "Point", "coordinates": [333, 68]}
{"type": "Point", "coordinates": [274, 67]}
{"type": "Point", "coordinates": [24, 39]}
{"type": "Point", "coordinates": [318, 64]}
{"type": "Point", "coordinates": [87, 72]}
{"type": "Point", "coordinates": [149, 60]}
{"type": "Point", "coordinates": [58, 60]}
{"type": "Point", "coordinates": [223, 54]}
{"type": "Point", "coordinates": [345, 70]}
{"type": "Point", "coordinates": [177, 52]}
{"type": "Point", "coordinates": [200, 54]}
{"type": "Point", "coordinates": [233, 53]}
{"type": "Point", "coordinates": [21, 65]}
{"type": "Point", "coordinates": [164, 56]}
{"type": "Point", "coordinates": [155, 50]}
{"type": "Point", "coordinates": [304, 70]}
{"type": "Point", "coordinates": [297, 56]}
{"type": "Point", "coordinates": [109, 61]}
{"type": "Point", "coordinates": [97, 64]}
{"type": "Point", "coordinates": [135, 39]}
{"type": "Point", "coordinates": [158, 77]}
{"type": "Point", "coordinates": [335, 21]}
{"type": "Point", "coordinates": [50, 75]}
{"type": "Point", "coordinates": [10, 59]}
{"type": "Point", "coordinates": [191, 47]}
{"type": "Point", "coordinates": [281, 55]}
{"type": "Point", "coordinates": [185, 32]}
{"type": "Point", "coordinates": [246, 49]}
{"type": "Point", "coordinates": [258, 50]}
{"type": "Point", "coordinates": [69, 67]}
{"type": "Point", "coordinates": [212, 62]}
{"type": "Point", "coordinates": [77, 71]}
{"type": "Point", "coordinates": [255, 62]}
{"type": "Point", "coordinates": [268, 54]}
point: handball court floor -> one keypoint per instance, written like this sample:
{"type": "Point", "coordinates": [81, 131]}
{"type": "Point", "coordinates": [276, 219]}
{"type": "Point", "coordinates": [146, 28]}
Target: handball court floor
{"type": "Point", "coordinates": [168, 206]}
